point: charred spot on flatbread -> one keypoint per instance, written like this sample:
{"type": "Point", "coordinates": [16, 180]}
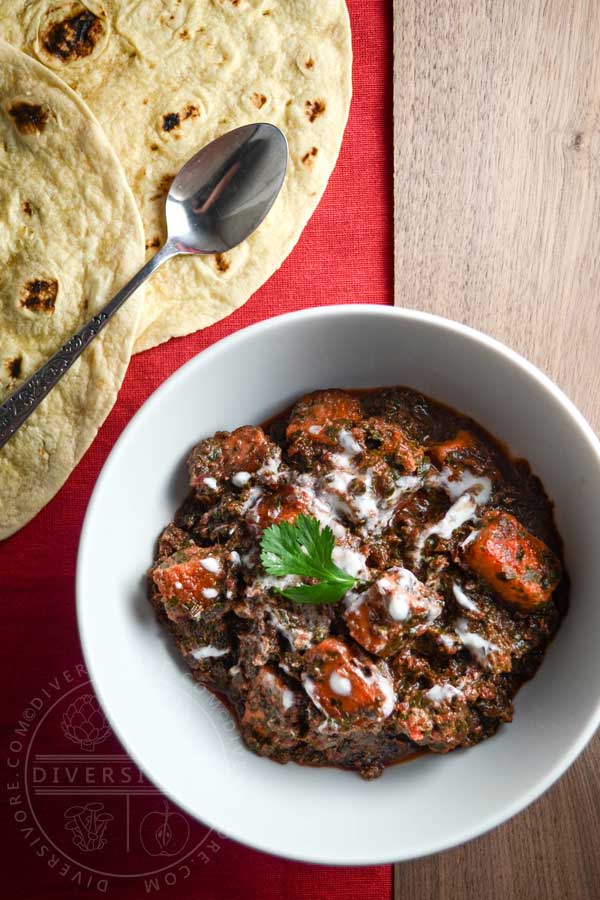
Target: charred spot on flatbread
{"type": "Point", "coordinates": [39, 294]}
{"type": "Point", "coordinates": [75, 37]}
{"type": "Point", "coordinates": [162, 188]}
{"type": "Point", "coordinates": [258, 99]}
{"type": "Point", "coordinates": [309, 157]}
{"type": "Point", "coordinates": [29, 118]}
{"type": "Point", "coordinates": [14, 366]}
{"type": "Point", "coordinates": [314, 109]}
{"type": "Point", "coordinates": [171, 121]}
{"type": "Point", "coordinates": [191, 111]}
{"type": "Point", "coordinates": [26, 208]}
{"type": "Point", "coordinates": [221, 262]}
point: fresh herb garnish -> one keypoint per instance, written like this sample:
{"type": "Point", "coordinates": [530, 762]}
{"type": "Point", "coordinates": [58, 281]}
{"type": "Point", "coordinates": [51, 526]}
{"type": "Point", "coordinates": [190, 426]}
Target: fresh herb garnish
{"type": "Point", "coordinates": [304, 548]}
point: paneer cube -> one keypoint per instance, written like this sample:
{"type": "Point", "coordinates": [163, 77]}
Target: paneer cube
{"type": "Point", "coordinates": [346, 687]}
{"type": "Point", "coordinates": [454, 449]}
{"type": "Point", "coordinates": [230, 455]}
{"type": "Point", "coordinates": [317, 419]}
{"type": "Point", "coordinates": [380, 618]}
{"type": "Point", "coordinates": [462, 450]}
{"type": "Point", "coordinates": [190, 582]}
{"type": "Point", "coordinates": [515, 564]}
{"type": "Point", "coordinates": [282, 505]}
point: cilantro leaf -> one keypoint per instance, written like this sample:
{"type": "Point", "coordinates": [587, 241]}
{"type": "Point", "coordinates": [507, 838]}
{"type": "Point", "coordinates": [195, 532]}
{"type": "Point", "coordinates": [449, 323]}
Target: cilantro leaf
{"type": "Point", "coordinates": [316, 594]}
{"type": "Point", "coordinates": [304, 548]}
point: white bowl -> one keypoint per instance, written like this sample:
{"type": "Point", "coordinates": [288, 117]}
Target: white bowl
{"type": "Point", "coordinates": [181, 736]}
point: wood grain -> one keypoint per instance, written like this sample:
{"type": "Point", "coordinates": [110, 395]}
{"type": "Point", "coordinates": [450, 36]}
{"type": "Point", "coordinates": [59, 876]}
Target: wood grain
{"type": "Point", "coordinates": [551, 851]}
{"type": "Point", "coordinates": [497, 225]}
{"type": "Point", "coordinates": [497, 182]}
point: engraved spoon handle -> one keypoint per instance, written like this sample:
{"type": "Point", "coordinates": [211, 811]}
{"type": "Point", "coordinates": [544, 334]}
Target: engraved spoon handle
{"type": "Point", "coordinates": [19, 406]}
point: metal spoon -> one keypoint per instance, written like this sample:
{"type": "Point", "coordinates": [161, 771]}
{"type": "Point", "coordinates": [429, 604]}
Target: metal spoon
{"type": "Point", "coordinates": [219, 197]}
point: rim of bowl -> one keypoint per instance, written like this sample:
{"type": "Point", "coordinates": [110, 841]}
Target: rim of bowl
{"type": "Point", "coordinates": [224, 345]}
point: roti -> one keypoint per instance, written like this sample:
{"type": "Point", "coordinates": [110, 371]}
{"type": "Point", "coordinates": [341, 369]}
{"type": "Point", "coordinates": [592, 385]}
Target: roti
{"type": "Point", "coordinates": [165, 77]}
{"type": "Point", "coordinates": [70, 236]}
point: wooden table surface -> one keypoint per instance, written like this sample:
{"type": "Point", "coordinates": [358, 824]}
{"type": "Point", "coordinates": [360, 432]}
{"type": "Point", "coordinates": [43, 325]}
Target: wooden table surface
{"type": "Point", "coordinates": [497, 225]}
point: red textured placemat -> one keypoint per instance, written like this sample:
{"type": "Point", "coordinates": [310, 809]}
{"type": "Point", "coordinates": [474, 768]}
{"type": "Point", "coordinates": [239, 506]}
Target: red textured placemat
{"type": "Point", "coordinates": [77, 818]}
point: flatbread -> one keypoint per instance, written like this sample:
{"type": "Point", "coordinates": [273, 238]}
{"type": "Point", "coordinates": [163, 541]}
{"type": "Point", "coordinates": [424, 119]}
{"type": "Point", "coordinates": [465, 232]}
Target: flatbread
{"type": "Point", "coordinates": [164, 77]}
{"type": "Point", "coordinates": [70, 236]}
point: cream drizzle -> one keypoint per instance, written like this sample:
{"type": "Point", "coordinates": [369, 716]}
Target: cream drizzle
{"type": "Point", "coordinates": [469, 492]}
{"type": "Point", "coordinates": [351, 561]}
{"type": "Point", "coordinates": [348, 443]}
{"type": "Point", "coordinates": [440, 693]}
{"type": "Point", "coordinates": [463, 599]}
{"type": "Point", "coordinates": [208, 652]}
{"type": "Point", "coordinates": [287, 699]}
{"type": "Point", "coordinates": [478, 646]}
{"type": "Point", "coordinates": [340, 685]}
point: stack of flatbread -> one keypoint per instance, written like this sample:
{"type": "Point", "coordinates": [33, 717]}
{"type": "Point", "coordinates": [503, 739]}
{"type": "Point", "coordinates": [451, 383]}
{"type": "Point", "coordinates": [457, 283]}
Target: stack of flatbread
{"type": "Point", "coordinates": [100, 105]}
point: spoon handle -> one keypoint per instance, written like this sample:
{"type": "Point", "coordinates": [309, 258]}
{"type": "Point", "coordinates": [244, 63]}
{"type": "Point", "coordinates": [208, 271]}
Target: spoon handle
{"type": "Point", "coordinates": [19, 406]}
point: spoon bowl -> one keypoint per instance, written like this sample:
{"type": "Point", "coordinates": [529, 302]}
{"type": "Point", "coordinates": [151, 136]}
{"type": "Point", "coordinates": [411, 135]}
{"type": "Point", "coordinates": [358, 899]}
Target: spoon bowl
{"type": "Point", "coordinates": [222, 194]}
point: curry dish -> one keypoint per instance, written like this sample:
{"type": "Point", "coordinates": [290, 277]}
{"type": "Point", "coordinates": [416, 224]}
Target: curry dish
{"type": "Point", "coordinates": [458, 580]}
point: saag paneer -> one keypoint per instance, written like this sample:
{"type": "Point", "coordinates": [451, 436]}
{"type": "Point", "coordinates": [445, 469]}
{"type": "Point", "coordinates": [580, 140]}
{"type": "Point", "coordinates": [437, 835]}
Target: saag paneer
{"type": "Point", "coordinates": [418, 578]}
